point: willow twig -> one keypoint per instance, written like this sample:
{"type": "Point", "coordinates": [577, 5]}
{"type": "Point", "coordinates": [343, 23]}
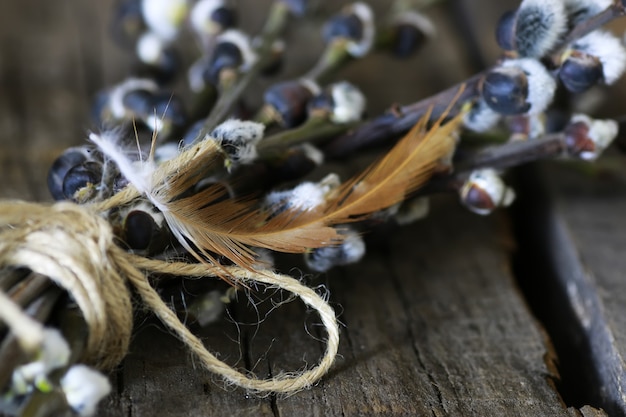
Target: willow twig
{"type": "Point", "coordinates": [516, 153]}
{"type": "Point", "coordinates": [27, 291]}
{"type": "Point", "coordinates": [334, 56]}
{"type": "Point", "coordinates": [614, 11]}
{"type": "Point", "coordinates": [10, 277]}
{"type": "Point", "coordinates": [400, 119]}
{"type": "Point", "coordinates": [316, 128]}
{"type": "Point", "coordinates": [501, 157]}
{"type": "Point", "coordinates": [273, 28]}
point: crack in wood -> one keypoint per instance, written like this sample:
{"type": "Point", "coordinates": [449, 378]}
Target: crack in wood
{"type": "Point", "coordinates": [563, 295]}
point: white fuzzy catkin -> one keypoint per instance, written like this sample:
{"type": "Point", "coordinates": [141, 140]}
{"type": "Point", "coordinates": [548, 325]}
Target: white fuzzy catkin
{"type": "Point", "coordinates": [304, 197]}
{"type": "Point", "coordinates": [361, 47]}
{"type": "Point", "coordinates": [164, 17]}
{"type": "Point", "coordinates": [116, 96]}
{"type": "Point", "coordinates": [481, 117]}
{"type": "Point", "coordinates": [200, 17]}
{"type": "Point", "coordinates": [238, 130]}
{"type": "Point", "coordinates": [609, 49]}
{"type": "Point", "coordinates": [539, 24]}
{"type": "Point", "coordinates": [312, 153]}
{"type": "Point", "coordinates": [150, 48]}
{"type": "Point", "coordinates": [53, 354]}
{"type": "Point", "coordinates": [207, 308]}
{"type": "Point", "coordinates": [349, 251]}
{"type": "Point", "coordinates": [601, 133]}
{"type": "Point", "coordinates": [349, 103]}
{"type": "Point", "coordinates": [488, 180]}
{"type": "Point", "coordinates": [84, 388]}
{"type": "Point", "coordinates": [243, 135]}
{"type": "Point", "coordinates": [242, 42]}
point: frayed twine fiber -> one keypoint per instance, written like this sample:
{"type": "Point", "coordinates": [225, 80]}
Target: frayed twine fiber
{"type": "Point", "coordinates": [74, 246]}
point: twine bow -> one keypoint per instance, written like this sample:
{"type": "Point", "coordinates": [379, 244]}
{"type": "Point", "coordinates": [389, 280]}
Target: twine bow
{"type": "Point", "coordinates": [74, 246]}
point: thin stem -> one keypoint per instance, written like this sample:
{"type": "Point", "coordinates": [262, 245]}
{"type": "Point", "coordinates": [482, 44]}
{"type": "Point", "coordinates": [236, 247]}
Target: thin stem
{"type": "Point", "coordinates": [516, 153]}
{"type": "Point", "coordinates": [27, 290]}
{"type": "Point", "coordinates": [273, 27]}
{"type": "Point", "coordinates": [500, 157]}
{"type": "Point", "coordinates": [10, 277]}
{"type": "Point", "coordinates": [316, 128]}
{"type": "Point", "coordinates": [266, 115]}
{"type": "Point", "coordinates": [611, 13]}
{"type": "Point", "coordinates": [334, 57]}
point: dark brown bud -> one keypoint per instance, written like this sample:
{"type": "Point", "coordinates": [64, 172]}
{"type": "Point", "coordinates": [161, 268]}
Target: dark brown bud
{"type": "Point", "coordinates": [580, 71]}
{"type": "Point", "coordinates": [289, 100]}
{"type": "Point", "coordinates": [505, 90]}
{"type": "Point", "coordinates": [586, 138]}
{"type": "Point", "coordinates": [577, 138]}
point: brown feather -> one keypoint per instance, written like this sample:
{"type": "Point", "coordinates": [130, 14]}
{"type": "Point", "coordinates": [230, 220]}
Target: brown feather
{"type": "Point", "coordinates": [401, 171]}
{"type": "Point", "coordinates": [206, 221]}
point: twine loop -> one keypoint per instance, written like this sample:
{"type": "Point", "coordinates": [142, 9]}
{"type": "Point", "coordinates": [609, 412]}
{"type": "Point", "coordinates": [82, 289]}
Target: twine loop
{"type": "Point", "coordinates": [74, 246]}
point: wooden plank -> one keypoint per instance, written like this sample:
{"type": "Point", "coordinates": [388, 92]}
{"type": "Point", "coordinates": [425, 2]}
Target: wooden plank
{"type": "Point", "coordinates": [45, 98]}
{"type": "Point", "coordinates": [434, 325]}
{"type": "Point", "coordinates": [583, 247]}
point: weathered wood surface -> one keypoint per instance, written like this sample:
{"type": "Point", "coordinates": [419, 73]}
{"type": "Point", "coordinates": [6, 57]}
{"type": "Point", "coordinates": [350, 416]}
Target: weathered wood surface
{"type": "Point", "coordinates": [578, 235]}
{"type": "Point", "coordinates": [433, 320]}
{"type": "Point", "coordinates": [433, 325]}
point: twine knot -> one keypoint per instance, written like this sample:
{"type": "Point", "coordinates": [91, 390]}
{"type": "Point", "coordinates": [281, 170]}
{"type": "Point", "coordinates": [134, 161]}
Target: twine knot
{"type": "Point", "coordinates": [75, 249]}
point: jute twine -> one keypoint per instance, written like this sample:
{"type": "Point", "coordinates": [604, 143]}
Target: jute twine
{"type": "Point", "coordinates": [74, 246]}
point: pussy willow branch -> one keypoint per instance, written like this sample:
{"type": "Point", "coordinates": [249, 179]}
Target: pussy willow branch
{"type": "Point", "coordinates": [399, 120]}
{"type": "Point", "coordinates": [501, 157]}
{"type": "Point", "coordinates": [516, 153]}
{"type": "Point", "coordinates": [614, 11]}
{"type": "Point", "coordinates": [273, 28]}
